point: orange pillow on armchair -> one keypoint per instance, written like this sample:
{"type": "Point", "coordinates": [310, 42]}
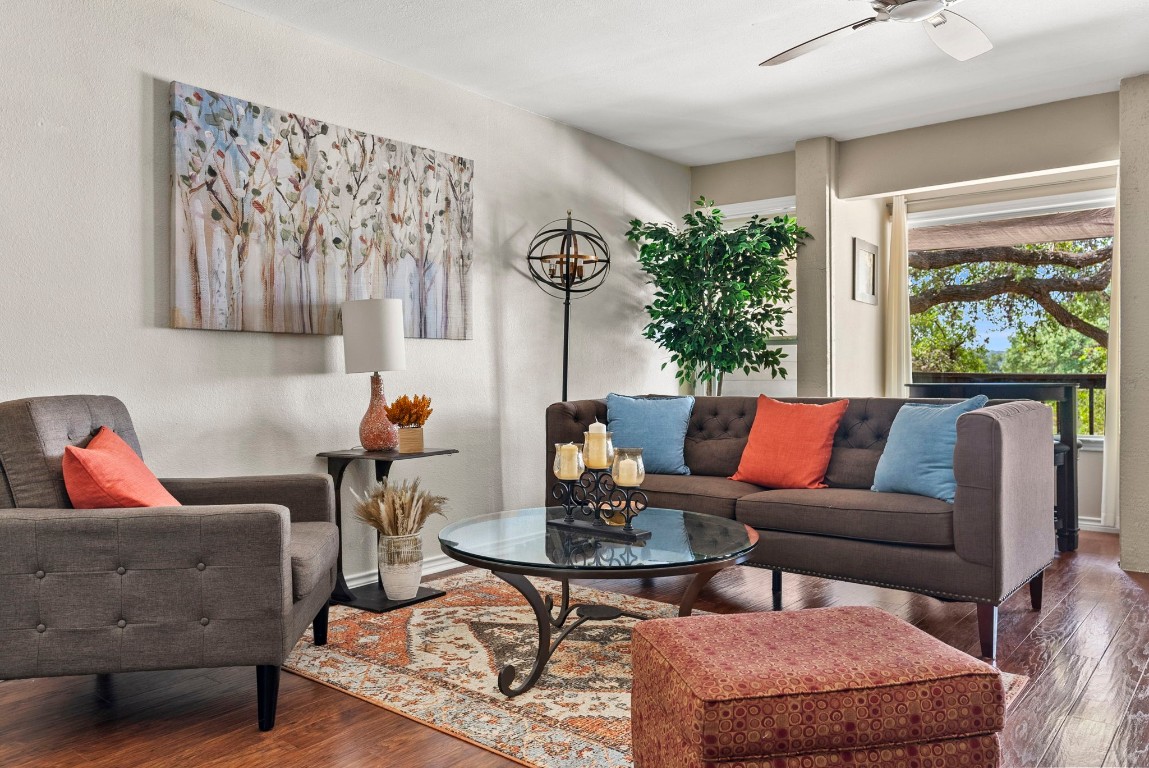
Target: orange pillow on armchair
{"type": "Point", "coordinates": [790, 444]}
{"type": "Point", "coordinates": [107, 474]}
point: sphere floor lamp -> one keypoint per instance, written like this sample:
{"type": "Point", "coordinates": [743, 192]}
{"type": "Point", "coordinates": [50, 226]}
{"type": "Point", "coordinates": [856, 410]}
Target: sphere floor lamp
{"type": "Point", "coordinates": [568, 259]}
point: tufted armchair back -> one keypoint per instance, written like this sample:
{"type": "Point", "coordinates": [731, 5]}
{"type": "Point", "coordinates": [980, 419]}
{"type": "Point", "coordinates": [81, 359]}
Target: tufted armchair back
{"type": "Point", "coordinates": [33, 434]}
{"type": "Point", "coordinates": [720, 426]}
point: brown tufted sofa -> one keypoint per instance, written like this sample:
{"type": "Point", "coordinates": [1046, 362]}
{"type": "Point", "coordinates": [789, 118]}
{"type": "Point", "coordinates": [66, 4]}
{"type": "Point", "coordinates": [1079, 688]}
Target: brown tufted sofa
{"type": "Point", "coordinates": [232, 578]}
{"type": "Point", "coordinates": [996, 537]}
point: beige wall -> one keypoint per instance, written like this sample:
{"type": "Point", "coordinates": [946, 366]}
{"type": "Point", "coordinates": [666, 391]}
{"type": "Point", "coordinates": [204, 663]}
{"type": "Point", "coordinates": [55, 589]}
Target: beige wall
{"type": "Point", "coordinates": [814, 184]}
{"type": "Point", "coordinates": [1064, 134]}
{"type": "Point", "coordinates": [740, 181]}
{"type": "Point", "coordinates": [1134, 244]}
{"type": "Point", "coordinates": [856, 327]}
{"type": "Point", "coordinates": [84, 292]}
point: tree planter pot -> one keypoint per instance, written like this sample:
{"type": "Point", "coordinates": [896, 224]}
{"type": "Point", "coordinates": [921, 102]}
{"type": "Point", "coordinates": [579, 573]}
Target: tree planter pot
{"type": "Point", "coordinates": [410, 440]}
{"type": "Point", "coordinates": [401, 565]}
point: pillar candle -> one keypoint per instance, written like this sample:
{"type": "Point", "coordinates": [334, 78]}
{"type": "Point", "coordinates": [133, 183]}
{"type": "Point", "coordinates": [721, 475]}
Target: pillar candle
{"type": "Point", "coordinates": [568, 462]}
{"type": "Point", "coordinates": [627, 473]}
{"type": "Point", "coordinates": [594, 451]}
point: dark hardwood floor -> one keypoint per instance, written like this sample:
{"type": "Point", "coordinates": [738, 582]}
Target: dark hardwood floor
{"type": "Point", "coordinates": [1087, 703]}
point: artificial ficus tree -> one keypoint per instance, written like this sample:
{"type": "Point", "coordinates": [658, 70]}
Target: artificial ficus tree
{"type": "Point", "coordinates": [720, 296]}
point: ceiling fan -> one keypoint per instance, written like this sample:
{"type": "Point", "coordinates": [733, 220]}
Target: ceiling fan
{"type": "Point", "coordinates": [955, 35]}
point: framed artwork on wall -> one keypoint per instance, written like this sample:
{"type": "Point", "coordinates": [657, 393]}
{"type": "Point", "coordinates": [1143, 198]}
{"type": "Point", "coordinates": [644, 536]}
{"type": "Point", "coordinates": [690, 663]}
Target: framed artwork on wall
{"type": "Point", "coordinates": [277, 219]}
{"type": "Point", "coordinates": [866, 263]}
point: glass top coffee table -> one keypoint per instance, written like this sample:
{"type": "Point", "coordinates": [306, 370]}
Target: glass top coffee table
{"type": "Point", "coordinates": [514, 545]}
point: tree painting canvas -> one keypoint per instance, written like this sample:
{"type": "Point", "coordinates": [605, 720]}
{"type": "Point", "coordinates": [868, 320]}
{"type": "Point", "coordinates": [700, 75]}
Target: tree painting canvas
{"type": "Point", "coordinates": [279, 218]}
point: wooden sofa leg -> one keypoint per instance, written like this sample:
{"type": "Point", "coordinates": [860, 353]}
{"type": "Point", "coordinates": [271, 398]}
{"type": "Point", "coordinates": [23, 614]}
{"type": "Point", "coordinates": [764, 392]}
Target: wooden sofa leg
{"type": "Point", "coordinates": [267, 694]}
{"type": "Point", "coordinates": [319, 625]}
{"type": "Point", "coordinates": [776, 584]}
{"type": "Point", "coordinates": [1035, 585]}
{"type": "Point", "coordinates": [987, 629]}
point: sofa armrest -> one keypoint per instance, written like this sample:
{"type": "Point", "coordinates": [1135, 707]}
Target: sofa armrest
{"type": "Point", "coordinates": [117, 590]}
{"type": "Point", "coordinates": [310, 498]}
{"type": "Point", "coordinates": [1003, 509]}
{"type": "Point", "coordinates": [566, 423]}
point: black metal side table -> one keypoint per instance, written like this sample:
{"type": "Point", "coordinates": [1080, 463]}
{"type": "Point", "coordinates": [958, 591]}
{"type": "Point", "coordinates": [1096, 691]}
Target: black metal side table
{"type": "Point", "coordinates": [370, 597]}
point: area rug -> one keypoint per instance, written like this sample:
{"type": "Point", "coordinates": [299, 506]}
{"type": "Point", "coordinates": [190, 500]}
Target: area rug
{"type": "Point", "coordinates": [437, 663]}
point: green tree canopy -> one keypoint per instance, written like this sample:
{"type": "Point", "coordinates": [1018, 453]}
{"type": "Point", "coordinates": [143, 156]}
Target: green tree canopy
{"type": "Point", "coordinates": [1052, 298]}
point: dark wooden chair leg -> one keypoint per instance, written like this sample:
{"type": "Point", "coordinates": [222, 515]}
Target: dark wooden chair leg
{"type": "Point", "coordinates": [267, 694]}
{"type": "Point", "coordinates": [776, 584]}
{"type": "Point", "coordinates": [319, 625]}
{"type": "Point", "coordinates": [987, 629]}
{"type": "Point", "coordinates": [1035, 585]}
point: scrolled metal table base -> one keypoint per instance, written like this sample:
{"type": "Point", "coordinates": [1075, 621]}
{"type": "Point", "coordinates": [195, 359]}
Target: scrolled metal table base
{"type": "Point", "coordinates": [544, 615]}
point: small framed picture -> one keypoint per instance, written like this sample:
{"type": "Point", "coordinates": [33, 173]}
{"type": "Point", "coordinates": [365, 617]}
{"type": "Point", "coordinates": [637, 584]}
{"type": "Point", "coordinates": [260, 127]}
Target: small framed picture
{"type": "Point", "coordinates": [865, 271]}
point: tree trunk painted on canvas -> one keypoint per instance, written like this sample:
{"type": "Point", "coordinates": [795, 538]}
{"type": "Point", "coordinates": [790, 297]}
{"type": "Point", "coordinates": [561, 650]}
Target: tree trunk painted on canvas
{"type": "Point", "coordinates": [279, 218]}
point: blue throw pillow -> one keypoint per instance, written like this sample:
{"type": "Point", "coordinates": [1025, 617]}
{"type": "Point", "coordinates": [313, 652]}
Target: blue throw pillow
{"type": "Point", "coordinates": [657, 425]}
{"type": "Point", "coordinates": [919, 455]}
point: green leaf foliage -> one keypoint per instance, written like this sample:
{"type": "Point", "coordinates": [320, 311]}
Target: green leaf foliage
{"type": "Point", "coordinates": [720, 295]}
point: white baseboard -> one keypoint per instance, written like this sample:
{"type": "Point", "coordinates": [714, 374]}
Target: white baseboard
{"type": "Point", "coordinates": [431, 566]}
{"type": "Point", "coordinates": [1097, 527]}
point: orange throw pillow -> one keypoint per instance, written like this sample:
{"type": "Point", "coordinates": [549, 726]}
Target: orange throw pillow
{"type": "Point", "coordinates": [790, 444]}
{"type": "Point", "coordinates": [108, 474]}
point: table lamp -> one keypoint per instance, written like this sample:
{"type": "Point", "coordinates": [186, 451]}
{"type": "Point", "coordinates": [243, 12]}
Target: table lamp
{"type": "Point", "coordinates": [373, 342]}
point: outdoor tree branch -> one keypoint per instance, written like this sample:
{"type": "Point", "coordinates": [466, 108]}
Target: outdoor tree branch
{"type": "Point", "coordinates": [1041, 290]}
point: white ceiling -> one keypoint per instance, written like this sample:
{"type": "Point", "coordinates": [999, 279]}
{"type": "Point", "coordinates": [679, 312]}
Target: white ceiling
{"type": "Point", "coordinates": [679, 78]}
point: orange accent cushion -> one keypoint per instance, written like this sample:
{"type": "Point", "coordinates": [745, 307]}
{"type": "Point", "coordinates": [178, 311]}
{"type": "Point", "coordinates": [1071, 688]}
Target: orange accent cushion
{"type": "Point", "coordinates": [107, 474]}
{"type": "Point", "coordinates": [790, 444]}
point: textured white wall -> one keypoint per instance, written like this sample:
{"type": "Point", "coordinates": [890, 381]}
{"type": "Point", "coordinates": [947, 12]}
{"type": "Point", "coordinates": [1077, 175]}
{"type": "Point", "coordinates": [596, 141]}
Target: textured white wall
{"type": "Point", "coordinates": [84, 277]}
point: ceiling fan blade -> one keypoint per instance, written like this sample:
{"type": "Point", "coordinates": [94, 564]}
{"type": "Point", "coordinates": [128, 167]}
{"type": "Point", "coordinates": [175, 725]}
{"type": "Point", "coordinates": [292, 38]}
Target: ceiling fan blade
{"type": "Point", "coordinates": [816, 43]}
{"type": "Point", "coordinates": [957, 35]}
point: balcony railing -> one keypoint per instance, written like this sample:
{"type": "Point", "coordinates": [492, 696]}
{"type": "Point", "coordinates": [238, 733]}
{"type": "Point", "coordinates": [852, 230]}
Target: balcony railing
{"type": "Point", "coordinates": [1090, 390]}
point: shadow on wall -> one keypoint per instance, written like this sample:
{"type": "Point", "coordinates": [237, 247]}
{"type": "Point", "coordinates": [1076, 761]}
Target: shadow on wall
{"type": "Point", "coordinates": [156, 220]}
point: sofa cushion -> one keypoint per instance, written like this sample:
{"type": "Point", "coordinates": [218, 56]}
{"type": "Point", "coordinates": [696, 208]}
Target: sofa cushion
{"type": "Point", "coordinates": [696, 493]}
{"type": "Point", "coordinates": [896, 518]}
{"type": "Point", "coordinates": [108, 474]}
{"type": "Point", "coordinates": [790, 444]}
{"type": "Point", "coordinates": [919, 454]}
{"type": "Point", "coordinates": [655, 424]}
{"type": "Point", "coordinates": [314, 549]}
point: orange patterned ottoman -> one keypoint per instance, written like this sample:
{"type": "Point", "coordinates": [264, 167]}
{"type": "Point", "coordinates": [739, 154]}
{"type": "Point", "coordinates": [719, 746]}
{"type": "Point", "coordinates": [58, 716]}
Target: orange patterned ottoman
{"type": "Point", "coordinates": [817, 687]}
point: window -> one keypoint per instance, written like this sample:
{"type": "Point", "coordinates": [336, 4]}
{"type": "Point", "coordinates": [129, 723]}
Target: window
{"type": "Point", "coordinates": [1016, 297]}
{"type": "Point", "coordinates": [759, 382]}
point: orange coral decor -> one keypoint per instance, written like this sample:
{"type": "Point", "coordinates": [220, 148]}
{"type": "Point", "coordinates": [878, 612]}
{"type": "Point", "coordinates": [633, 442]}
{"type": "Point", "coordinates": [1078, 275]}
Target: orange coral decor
{"type": "Point", "coordinates": [437, 663]}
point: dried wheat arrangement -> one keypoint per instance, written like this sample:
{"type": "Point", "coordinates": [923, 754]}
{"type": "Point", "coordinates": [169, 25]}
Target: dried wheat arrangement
{"type": "Point", "coordinates": [398, 509]}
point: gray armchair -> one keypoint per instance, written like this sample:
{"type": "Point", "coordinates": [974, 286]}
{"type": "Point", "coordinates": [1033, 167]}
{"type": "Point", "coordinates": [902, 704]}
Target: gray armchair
{"type": "Point", "coordinates": [230, 579]}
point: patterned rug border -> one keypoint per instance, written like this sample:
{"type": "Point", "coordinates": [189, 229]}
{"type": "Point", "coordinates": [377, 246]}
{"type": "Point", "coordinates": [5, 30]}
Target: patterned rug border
{"type": "Point", "coordinates": [1014, 684]}
{"type": "Point", "coordinates": [413, 718]}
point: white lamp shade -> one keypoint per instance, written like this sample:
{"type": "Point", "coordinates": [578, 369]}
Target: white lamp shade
{"type": "Point", "coordinates": [373, 336]}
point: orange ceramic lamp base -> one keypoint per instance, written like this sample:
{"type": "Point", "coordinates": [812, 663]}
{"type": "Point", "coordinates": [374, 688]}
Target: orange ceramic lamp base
{"type": "Point", "coordinates": [376, 432]}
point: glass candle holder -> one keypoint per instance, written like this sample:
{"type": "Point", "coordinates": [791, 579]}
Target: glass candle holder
{"type": "Point", "coordinates": [598, 450]}
{"type": "Point", "coordinates": [568, 461]}
{"type": "Point", "coordinates": [628, 470]}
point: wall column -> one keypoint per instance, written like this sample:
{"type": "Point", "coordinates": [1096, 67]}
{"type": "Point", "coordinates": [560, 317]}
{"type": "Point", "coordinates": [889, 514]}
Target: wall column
{"type": "Point", "coordinates": [815, 174]}
{"type": "Point", "coordinates": [1134, 254]}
